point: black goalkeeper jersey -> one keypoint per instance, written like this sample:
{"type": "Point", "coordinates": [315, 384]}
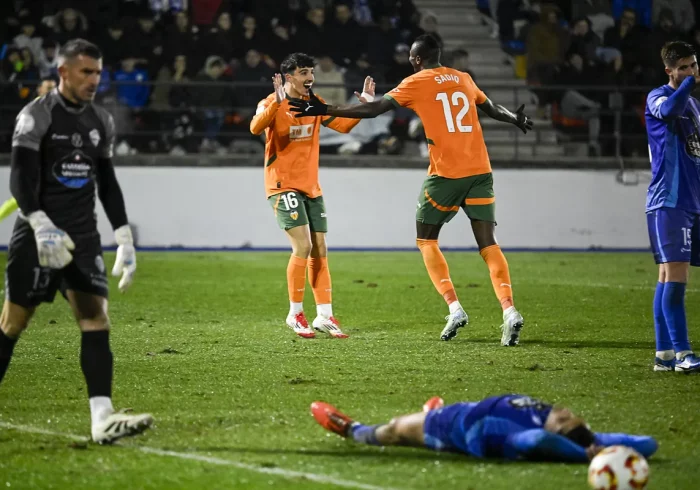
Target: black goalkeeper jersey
{"type": "Point", "coordinates": [72, 141]}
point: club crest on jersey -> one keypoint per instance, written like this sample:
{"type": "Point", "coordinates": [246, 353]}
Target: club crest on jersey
{"type": "Point", "coordinates": [301, 132]}
{"type": "Point", "coordinates": [294, 215]}
{"type": "Point", "coordinates": [76, 140]}
{"type": "Point", "coordinates": [95, 137]}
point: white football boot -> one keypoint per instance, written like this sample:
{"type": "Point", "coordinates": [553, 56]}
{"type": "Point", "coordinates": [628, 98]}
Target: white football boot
{"type": "Point", "coordinates": [119, 424]}
{"type": "Point", "coordinates": [455, 321]}
{"type": "Point", "coordinates": [330, 326]}
{"type": "Point", "coordinates": [300, 325]}
{"type": "Point", "coordinates": [512, 324]}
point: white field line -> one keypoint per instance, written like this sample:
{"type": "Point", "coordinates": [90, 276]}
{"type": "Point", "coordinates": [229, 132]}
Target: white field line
{"type": "Point", "coordinates": [290, 474]}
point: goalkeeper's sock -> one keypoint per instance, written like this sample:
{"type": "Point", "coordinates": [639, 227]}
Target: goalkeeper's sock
{"type": "Point", "coordinates": [673, 304]}
{"type": "Point", "coordinates": [438, 270]}
{"type": "Point", "coordinates": [365, 434]}
{"type": "Point", "coordinates": [500, 275]}
{"type": "Point", "coordinates": [320, 280]}
{"type": "Point", "coordinates": [296, 278]}
{"type": "Point", "coordinates": [7, 346]}
{"type": "Point", "coordinates": [7, 208]}
{"type": "Point", "coordinates": [97, 363]}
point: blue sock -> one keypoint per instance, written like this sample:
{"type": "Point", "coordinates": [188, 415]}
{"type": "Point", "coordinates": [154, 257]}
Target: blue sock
{"type": "Point", "coordinates": [366, 434]}
{"type": "Point", "coordinates": [673, 304]}
{"type": "Point", "coordinates": [663, 339]}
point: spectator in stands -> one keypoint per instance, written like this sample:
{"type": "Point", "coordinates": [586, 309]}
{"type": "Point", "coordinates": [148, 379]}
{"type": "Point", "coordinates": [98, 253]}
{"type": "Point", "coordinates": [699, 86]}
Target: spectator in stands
{"type": "Point", "coordinates": [641, 8]}
{"type": "Point", "coordinates": [681, 11]}
{"type": "Point", "coordinates": [172, 98]}
{"type": "Point", "coordinates": [257, 75]}
{"type": "Point", "coordinates": [382, 40]}
{"type": "Point", "coordinates": [460, 61]}
{"type": "Point", "coordinates": [576, 104]}
{"type": "Point", "coordinates": [145, 42]}
{"type": "Point", "coordinates": [547, 43]}
{"type": "Point", "coordinates": [312, 33]}
{"type": "Point", "coordinates": [583, 41]}
{"type": "Point", "coordinates": [628, 38]}
{"type": "Point", "coordinates": [330, 81]}
{"type": "Point", "coordinates": [69, 24]}
{"type": "Point", "coordinates": [131, 91]}
{"type": "Point", "coordinates": [349, 40]}
{"type": "Point", "coordinates": [281, 43]}
{"type": "Point", "coordinates": [221, 39]}
{"type": "Point", "coordinates": [29, 36]}
{"type": "Point", "coordinates": [30, 71]}
{"type": "Point", "coordinates": [47, 62]}
{"type": "Point", "coordinates": [598, 12]}
{"type": "Point", "coordinates": [113, 45]}
{"type": "Point", "coordinates": [248, 36]}
{"type": "Point", "coordinates": [429, 24]}
{"type": "Point", "coordinates": [213, 99]}
{"type": "Point", "coordinates": [400, 67]}
{"type": "Point", "coordinates": [183, 38]}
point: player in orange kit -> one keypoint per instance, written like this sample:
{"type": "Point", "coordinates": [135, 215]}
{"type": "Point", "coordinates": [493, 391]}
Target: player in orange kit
{"type": "Point", "coordinates": [293, 190]}
{"type": "Point", "coordinates": [459, 175]}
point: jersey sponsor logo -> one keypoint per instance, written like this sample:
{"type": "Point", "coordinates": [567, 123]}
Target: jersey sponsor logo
{"type": "Point", "coordinates": [74, 171]}
{"type": "Point", "coordinates": [301, 132]}
{"type": "Point", "coordinates": [447, 78]}
{"type": "Point", "coordinates": [95, 137]}
{"type": "Point", "coordinates": [25, 124]}
{"type": "Point", "coordinates": [76, 140]}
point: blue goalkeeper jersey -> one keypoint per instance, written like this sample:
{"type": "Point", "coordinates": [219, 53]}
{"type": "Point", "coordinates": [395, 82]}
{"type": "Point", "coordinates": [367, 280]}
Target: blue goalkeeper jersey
{"type": "Point", "coordinates": [673, 130]}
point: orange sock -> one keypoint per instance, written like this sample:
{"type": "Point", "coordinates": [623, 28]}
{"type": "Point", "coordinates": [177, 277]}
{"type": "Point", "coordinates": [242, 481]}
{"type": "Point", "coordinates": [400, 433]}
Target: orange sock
{"type": "Point", "coordinates": [296, 278]}
{"type": "Point", "coordinates": [320, 280]}
{"type": "Point", "coordinates": [438, 270]}
{"type": "Point", "coordinates": [500, 275]}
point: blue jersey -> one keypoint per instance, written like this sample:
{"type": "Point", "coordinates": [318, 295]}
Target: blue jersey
{"type": "Point", "coordinates": [481, 429]}
{"type": "Point", "coordinates": [673, 130]}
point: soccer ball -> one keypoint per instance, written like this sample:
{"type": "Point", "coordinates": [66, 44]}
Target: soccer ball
{"type": "Point", "coordinates": [618, 468]}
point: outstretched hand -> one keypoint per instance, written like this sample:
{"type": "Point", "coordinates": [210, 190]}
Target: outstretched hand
{"type": "Point", "coordinates": [368, 89]}
{"type": "Point", "coordinates": [306, 108]}
{"type": "Point", "coordinates": [278, 84]}
{"type": "Point", "coordinates": [522, 120]}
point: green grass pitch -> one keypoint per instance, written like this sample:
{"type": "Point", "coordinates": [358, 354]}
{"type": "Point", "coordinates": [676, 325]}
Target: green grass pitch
{"type": "Point", "coordinates": [200, 343]}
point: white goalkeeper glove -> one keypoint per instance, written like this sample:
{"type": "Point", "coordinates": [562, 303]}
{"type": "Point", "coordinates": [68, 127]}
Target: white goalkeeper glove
{"type": "Point", "coordinates": [125, 264]}
{"type": "Point", "coordinates": [52, 244]}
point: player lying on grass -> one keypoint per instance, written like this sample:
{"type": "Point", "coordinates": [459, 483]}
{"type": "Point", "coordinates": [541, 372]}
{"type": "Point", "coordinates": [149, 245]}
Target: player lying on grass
{"type": "Point", "coordinates": [507, 427]}
{"type": "Point", "coordinates": [459, 175]}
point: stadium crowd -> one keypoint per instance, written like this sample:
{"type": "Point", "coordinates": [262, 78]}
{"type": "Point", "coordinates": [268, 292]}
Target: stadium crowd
{"type": "Point", "coordinates": [591, 44]}
{"type": "Point", "coordinates": [183, 76]}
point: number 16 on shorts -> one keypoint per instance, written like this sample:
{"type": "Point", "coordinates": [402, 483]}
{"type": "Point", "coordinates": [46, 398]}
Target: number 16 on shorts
{"type": "Point", "coordinates": [294, 209]}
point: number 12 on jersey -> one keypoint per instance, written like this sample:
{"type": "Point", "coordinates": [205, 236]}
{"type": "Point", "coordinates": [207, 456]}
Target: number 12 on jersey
{"type": "Point", "coordinates": [459, 99]}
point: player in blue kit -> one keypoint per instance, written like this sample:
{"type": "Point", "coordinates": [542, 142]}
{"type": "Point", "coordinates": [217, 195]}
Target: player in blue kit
{"type": "Point", "coordinates": [506, 427]}
{"type": "Point", "coordinates": [673, 201]}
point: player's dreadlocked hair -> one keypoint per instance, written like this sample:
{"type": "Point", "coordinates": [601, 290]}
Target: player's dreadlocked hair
{"type": "Point", "coordinates": [674, 51]}
{"type": "Point", "coordinates": [77, 47]}
{"type": "Point", "coordinates": [294, 61]}
{"type": "Point", "coordinates": [428, 48]}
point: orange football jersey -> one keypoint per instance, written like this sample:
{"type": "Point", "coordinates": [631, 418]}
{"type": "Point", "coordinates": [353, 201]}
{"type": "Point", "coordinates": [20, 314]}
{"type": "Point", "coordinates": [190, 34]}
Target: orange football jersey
{"type": "Point", "coordinates": [445, 100]}
{"type": "Point", "coordinates": [292, 146]}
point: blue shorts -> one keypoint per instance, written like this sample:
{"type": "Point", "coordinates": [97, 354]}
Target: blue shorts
{"type": "Point", "coordinates": [443, 430]}
{"type": "Point", "coordinates": [674, 235]}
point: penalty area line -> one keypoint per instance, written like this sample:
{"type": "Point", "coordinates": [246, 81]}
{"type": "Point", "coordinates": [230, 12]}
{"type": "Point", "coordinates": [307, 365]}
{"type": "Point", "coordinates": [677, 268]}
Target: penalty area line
{"type": "Point", "coordinates": [281, 472]}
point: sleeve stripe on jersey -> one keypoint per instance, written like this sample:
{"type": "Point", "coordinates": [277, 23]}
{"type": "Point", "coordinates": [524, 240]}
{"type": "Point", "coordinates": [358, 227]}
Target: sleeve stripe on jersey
{"type": "Point", "coordinates": [328, 121]}
{"type": "Point", "coordinates": [392, 100]}
{"type": "Point", "coordinates": [27, 144]}
{"type": "Point", "coordinates": [271, 160]}
{"type": "Point", "coordinates": [429, 141]}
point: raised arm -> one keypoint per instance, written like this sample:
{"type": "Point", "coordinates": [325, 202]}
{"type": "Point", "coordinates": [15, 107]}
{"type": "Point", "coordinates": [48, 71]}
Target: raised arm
{"type": "Point", "coordinates": [500, 113]}
{"type": "Point", "coordinates": [673, 106]}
